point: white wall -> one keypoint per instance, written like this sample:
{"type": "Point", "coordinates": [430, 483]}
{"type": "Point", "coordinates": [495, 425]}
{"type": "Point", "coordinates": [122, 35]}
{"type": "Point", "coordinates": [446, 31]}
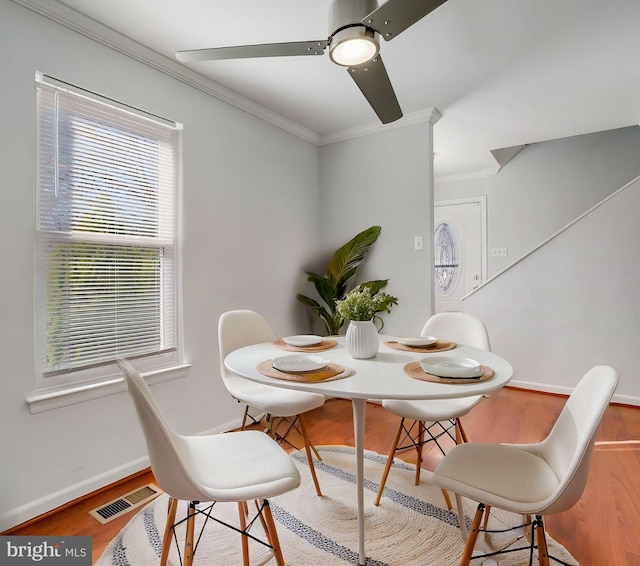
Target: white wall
{"type": "Point", "coordinates": [573, 303]}
{"type": "Point", "coordinates": [250, 221]}
{"type": "Point", "coordinates": [384, 179]}
{"type": "Point", "coordinates": [546, 186]}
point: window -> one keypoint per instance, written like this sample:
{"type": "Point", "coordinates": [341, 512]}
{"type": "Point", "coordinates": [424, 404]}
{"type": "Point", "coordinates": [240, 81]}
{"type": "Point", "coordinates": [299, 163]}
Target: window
{"type": "Point", "coordinates": [106, 264]}
{"type": "Point", "coordinates": [447, 257]}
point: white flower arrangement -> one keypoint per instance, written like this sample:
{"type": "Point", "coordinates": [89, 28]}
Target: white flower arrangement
{"type": "Point", "coordinates": [360, 304]}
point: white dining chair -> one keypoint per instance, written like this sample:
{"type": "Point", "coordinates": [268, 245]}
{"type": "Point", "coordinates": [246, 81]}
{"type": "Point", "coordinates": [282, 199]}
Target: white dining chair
{"type": "Point", "coordinates": [239, 328]}
{"type": "Point", "coordinates": [231, 467]}
{"type": "Point", "coordinates": [532, 479]}
{"type": "Point", "coordinates": [442, 414]}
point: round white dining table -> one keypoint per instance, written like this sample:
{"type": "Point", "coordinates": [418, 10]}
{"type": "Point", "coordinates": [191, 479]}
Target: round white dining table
{"type": "Point", "coordinates": [381, 377]}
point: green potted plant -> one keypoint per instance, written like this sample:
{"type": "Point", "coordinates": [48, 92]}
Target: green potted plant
{"type": "Point", "coordinates": [362, 304]}
{"type": "Point", "coordinates": [360, 307]}
{"type": "Point", "coordinates": [332, 285]}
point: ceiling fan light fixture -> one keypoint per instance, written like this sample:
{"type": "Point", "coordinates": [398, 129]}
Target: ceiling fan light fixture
{"type": "Point", "coordinates": [353, 46]}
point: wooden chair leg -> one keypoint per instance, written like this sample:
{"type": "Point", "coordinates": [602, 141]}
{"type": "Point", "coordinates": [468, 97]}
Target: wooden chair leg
{"type": "Point", "coordinates": [242, 514]}
{"type": "Point", "coordinates": [188, 541]}
{"type": "Point", "coordinates": [461, 435]}
{"type": "Point", "coordinates": [292, 425]}
{"type": "Point", "coordinates": [318, 457]}
{"type": "Point", "coordinates": [261, 517]}
{"type": "Point", "coordinates": [419, 451]}
{"type": "Point", "coordinates": [313, 448]}
{"type": "Point", "coordinates": [526, 519]}
{"type": "Point", "coordinates": [447, 499]}
{"type": "Point", "coordinates": [486, 516]}
{"type": "Point", "coordinates": [543, 552]}
{"type": "Point", "coordinates": [392, 452]}
{"type": "Point", "coordinates": [272, 534]}
{"type": "Point", "coordinates": [168, 529]}
{"type": "Point", "coordinates": [258, 503]}
{"type": "Point", "coordinates": [473, 536]}
{"type": "Point", "coordinates": [312, 468]}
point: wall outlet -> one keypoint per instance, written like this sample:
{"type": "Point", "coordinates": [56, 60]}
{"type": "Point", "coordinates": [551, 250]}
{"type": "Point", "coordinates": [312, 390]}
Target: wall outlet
{"type": "Point", "coordinates": [499, 252]}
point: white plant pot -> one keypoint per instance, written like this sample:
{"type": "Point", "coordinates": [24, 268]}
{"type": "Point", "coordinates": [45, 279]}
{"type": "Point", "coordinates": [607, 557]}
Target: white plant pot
{"type": "Point", "coordinates": [362, 339]}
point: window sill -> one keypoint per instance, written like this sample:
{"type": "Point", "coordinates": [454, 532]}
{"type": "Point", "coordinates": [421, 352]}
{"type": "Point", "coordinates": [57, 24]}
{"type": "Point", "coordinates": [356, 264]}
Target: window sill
{"type": "Point", "coordinates": [39, 403]}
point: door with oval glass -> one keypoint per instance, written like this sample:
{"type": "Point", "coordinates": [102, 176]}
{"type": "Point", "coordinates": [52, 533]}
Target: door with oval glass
{"type": "Point", "coordinates": [459, 242]}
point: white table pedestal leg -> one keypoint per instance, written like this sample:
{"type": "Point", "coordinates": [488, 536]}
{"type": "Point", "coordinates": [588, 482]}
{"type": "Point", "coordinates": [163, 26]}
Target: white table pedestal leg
{"type": "Point", "coordinates": [359, 408]}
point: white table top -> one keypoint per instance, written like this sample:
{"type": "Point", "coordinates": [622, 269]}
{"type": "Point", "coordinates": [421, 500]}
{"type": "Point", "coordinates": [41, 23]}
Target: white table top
{"type": "Point", "coordinates": [382, 377]}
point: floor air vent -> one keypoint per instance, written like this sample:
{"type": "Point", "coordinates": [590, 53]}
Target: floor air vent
{"type": "Point", "coordinates": [125, 503]}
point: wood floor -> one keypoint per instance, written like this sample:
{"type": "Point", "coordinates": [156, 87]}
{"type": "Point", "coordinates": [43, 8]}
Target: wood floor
{"type": "Point", "coordinates": [601, 530]}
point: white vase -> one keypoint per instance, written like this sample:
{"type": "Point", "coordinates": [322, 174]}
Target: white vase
{"type": "Point", "coordinates": [362, 339]}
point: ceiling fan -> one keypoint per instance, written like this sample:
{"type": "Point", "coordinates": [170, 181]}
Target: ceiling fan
{"type": "Point", "coordinates": [354, 27]}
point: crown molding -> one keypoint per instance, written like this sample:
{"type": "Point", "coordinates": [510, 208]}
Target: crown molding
{"type": "Point", "coordinates": [97, 31]}
{"type": "Point", "coordinates": [78, 22]}
{"type": "Point", "coordinates": [431, 115]}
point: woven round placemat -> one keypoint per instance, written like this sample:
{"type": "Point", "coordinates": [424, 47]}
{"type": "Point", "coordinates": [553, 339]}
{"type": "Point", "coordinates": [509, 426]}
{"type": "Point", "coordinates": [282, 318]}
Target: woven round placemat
{"type": "Point", "coordinates": [324, 345]}
{"type": "Point", "coordinates": [414, 369]}
{"type": "Point", "coordinates": [438, 346]}
{"type": "Point", "coordinates": [331, 371]}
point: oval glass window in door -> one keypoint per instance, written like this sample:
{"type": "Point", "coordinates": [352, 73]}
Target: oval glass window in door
{"type": "Point", "coordinates": [447, 259]}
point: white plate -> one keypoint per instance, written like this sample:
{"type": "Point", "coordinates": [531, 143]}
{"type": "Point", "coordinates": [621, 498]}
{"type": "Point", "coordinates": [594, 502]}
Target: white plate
{"type": "Point", "coordinates": [417, 341]}
{"type": "Point", "coordinates": [298, 363]}
{"type": "Point", "coordinates": [302, 340]}
{"type": "Point", "coordinates": [443, 366]}
{"type": "Point", "coordinates": [345, 373]}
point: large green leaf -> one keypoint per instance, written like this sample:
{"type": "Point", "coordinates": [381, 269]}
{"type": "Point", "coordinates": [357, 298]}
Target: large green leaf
{"type": "Point", "coordinates": [332, 321]}
{"type": "Point", "coordinates": [325, 286]}
{"type": "Point", "coordinates": [345, 260]}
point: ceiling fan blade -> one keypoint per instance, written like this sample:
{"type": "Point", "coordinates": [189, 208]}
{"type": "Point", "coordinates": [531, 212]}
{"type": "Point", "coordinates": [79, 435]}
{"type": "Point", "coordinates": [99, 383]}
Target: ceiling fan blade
{"type": "Point", "coordinates": [373, 81]}
{"type": "Point", "coordinates": [395, 16]}
{"type": "Point", "coordinates": [251, 51]}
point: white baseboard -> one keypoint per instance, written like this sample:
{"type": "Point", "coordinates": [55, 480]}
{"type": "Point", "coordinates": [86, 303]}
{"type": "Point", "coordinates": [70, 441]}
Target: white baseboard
{"type": "Point", "coordinates": [542, 387]}
{"type": "Point", "coordinates": [626, 400]}
{"type": "Point", "coordinates": [28, 511]}
{"type": "Point", "coordinates": [230, 425]}
{"type": "Point", "coordinates": [545, 388]}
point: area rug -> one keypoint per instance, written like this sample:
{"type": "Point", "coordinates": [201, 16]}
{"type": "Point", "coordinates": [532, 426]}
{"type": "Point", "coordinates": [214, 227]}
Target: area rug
{"type": "Point", "coordinates": [410, 527]}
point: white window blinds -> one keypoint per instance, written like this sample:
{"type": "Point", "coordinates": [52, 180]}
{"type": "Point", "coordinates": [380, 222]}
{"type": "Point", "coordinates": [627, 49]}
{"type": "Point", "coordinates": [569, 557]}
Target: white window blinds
{"type": "Point", "coordinates": [106, 242]}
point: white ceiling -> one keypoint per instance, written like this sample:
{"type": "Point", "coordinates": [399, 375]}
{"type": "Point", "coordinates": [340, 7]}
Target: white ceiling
{"type": "Point", "coordinates": [501, 72]}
